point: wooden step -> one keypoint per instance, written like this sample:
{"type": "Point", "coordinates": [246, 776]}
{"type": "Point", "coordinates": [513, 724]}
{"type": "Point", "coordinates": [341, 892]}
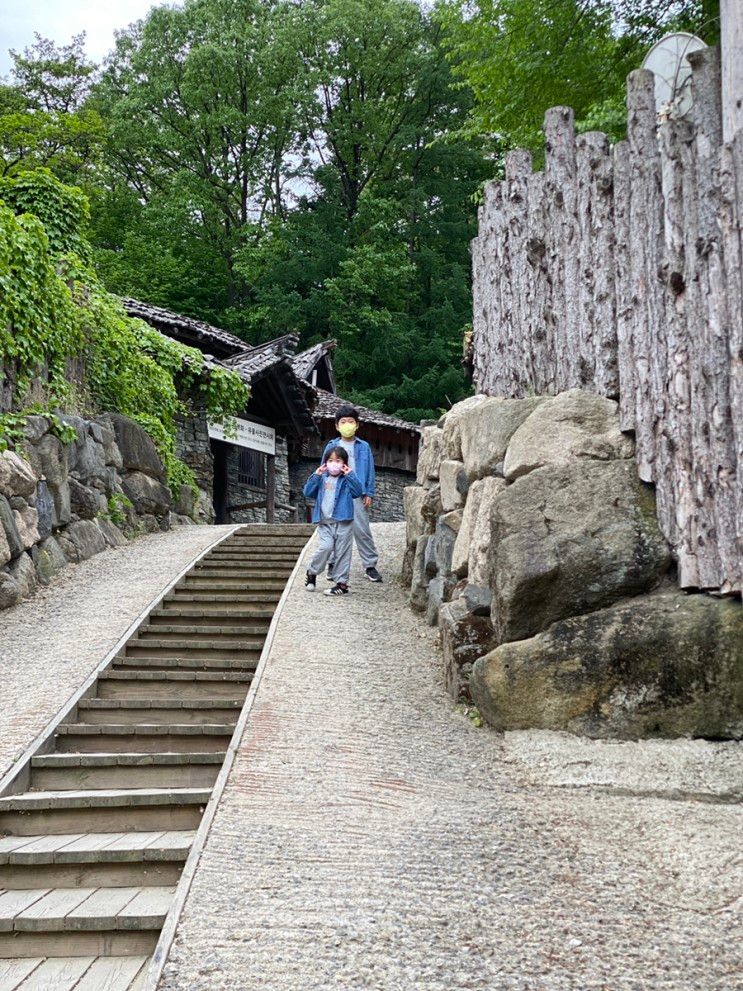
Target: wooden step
{"type": "Point", "coordinates": [165, 711]}
{"type": "Point", "coordinates": [181, 596]}
{"type": "Point", "coordinates": [226, 628]}
{"type": "Point", "coordinates": [207, 615]}
{"type": "Point", "coordinates": [73, 910]}
{"type": "Point", "coordinates": [75, 771]}
{"type": "Point", "coordinates": [246, 663]}
{"type": "Point", "coordinates": [101, 811]}
{"type": "Point", "coordinates": [147, 738]}
{"type": "Point", "coordinates": [202, 583]}
{"type": "Point", "coordinates": [117, 683]}
{"type": "Point", "coordinates": [93, 859]}
{"type": "Point", "coordinates": [176, 647]}
{"type": "Point", "coordinates": [78, 973]}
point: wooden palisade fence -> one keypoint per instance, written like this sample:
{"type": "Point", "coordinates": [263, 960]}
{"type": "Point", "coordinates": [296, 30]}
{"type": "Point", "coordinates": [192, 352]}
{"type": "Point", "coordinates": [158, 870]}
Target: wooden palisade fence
{"type": "Point", "coordinates": [618, 270]}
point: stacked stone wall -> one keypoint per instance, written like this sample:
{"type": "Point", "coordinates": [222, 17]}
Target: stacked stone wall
{"type": "Point", "coordinates": [64, 502]}
{"type": "Point", "coordinates": [535, 547]}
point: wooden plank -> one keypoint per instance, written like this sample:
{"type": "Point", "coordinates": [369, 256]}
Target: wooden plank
{"type": "Point", "coordinates": [173, 840]}
{"type": "Point", "coordinates": [57, 974]}
{"type": "Point", "coordinates": [134, 841]}
{"type": "Point", "coordinates": [41, 849]}
{"type": "Point", "coordinates": [13, 902]}
{"type": "Point", "coordinates": [49, 911]}
{"type": "Point", "coordinates": [99, 908]}
{"type": "Point", "coordinates": [150, 906]}
{"type": "Point", "coordinates": [90, 842]}
{"type": "Point", "coordinates": [140, 980]}
{"type": "Point", "coordinates": [12, 972]}
{"type": "Point", "coordinates": [112, 974]}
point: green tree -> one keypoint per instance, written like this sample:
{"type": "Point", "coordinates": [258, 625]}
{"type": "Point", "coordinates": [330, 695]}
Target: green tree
{"type": "Point", "coordinates": [45, 121]}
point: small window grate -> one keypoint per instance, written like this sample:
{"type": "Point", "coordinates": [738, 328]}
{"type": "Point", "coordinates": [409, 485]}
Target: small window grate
{"type": "Point", "coordinates": [251, 468]}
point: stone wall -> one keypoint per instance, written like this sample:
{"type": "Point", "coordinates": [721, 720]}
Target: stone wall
{"type": "Point", "coordinates": [534, 546]}
{"type": "Point", "coordinates": [389, 502]}
{"type": "Point", "coordinates": [63, 502]}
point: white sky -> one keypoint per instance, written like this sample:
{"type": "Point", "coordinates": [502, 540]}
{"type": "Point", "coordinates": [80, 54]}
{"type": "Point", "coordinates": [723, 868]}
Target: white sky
{"type": "Point", "coordinates": [61, 19]}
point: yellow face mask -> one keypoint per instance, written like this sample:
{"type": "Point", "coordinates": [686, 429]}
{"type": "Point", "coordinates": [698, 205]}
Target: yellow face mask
{"type": "Point", "coordinates": [347, 430]}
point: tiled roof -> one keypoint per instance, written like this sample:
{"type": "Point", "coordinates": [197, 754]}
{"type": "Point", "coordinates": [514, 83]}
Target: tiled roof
{"type": "Point", "coordinates": [254, 362]}
{"type": "Point", "coordinates": [328, 404]}
{"type": "Point", "coordinates": [170, 322]}
{"type": "Point", "coordinates": [305, 362]}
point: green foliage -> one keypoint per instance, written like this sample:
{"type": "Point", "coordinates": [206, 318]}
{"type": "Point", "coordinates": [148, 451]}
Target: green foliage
{"type": "Point", "coordinates": [44, 122]}
{"type": "Point", "coordinates": [53, 308]}
{"type": "Point", "coordinates": [118, 504]}
{"type": "Point", "coordinates": [521, 57]}
{"type": "Point", "coordinates": [62, 210]}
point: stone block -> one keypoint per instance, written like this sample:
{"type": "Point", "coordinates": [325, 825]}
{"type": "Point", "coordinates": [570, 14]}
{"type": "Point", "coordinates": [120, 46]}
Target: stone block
{"type": "Point", "coordinates": [454, 485]}
{"type": "Point", "coordinates": [480, 565]}
{"type": "Point", "coordinates": [26, 521]}
{"type": "Point", "coordinates": [413, 498]}
{"type": "Point", "coordinates": [464, 638]}
{"type": "Point", "coordinates": [54, 460]}
{"type": "Point", "coordinates": [81, 540]}
{"type": "Point", "coordinates": [17, 477]}
{"type": "Point", "coordinates": [107, 438]}
{"type": "Point", "coordinates": [485, 430]}
{"type": "Point", "coordinates": [573, 425]}
{"type": "Point", "coordinates": [48, 559]}
{"type": "Point", "coordinates": [571, 539]}
{"type": "Point", "coordinates": [89, 462]}
{"type": "Point", "coordinates": [62, 508]}
{"type": "Point", "coordinates": [434, 599]}
{"type": "Point", "coordinates": [23, 573]}
{"type": "Point", "coordinates": [185, 504]}
{"type": "Point", "coordinates": [34, 428]}
{"type": "Point", "coordinates": [429, 457]}
{"type": "Point", "coordinates": [114, 537]}
{"type": "Point", "coordinates": [9, 592]}
{"type": "Point", "coordinates": [147, 495]}
{"type": "Point", "coordinates": [461, 552]}
{"type": "Point", "coordinates": [419, 581]}
{"type": "Point", "coordinates": [430, 566]}
{"type": "Point", "coordinates": [10, 527]}
{"type": "Point", "coordinates": [84, 501]}
{"type": "Point", "coordinates": [451, 441]}
{"type": "Point", "coordinates": [5, 554]}
{"type": "Point", "coordinates": [44, 510]}
{"type": "Point", "coordinates": [661, 665]}
{"type": "Point", "coordinates": [137, 449]}
{"type": "Point", "coordinates": [478, 599]}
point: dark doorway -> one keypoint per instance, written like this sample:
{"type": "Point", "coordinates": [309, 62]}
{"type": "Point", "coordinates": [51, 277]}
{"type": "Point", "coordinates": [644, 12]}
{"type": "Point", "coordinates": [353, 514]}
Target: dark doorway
{"type": "Point", "coordinates": [221, 482]}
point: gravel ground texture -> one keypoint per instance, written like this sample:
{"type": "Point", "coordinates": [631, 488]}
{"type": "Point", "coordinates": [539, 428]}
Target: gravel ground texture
{"type": "Point", "coordinates": [371, 837]}
{"type": "Point", "coordinates": [51, 642]}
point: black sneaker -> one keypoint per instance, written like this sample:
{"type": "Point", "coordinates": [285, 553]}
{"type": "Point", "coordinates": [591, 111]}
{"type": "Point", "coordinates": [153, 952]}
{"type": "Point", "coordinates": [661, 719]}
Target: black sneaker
{"type": "Point", "coordinates": [373, 575]}
{"type": "Point", "coordinates": [309, 582]}
{"type": "Point", "coordinates": [338, 589]}
{"type": "Point", "coordinates": [329, 573]}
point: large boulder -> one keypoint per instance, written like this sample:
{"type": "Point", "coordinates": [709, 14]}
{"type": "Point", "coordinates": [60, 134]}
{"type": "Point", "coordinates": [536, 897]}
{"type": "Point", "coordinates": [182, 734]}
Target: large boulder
{"type": "Point", "coordinates": [138, 452]}
{"type": "Point", "coordinates": [147, 495]}
{"type": "Point", "coordinates": [422, 508]}
{"type": "Point", "coordinates": [85, 502]}
{"type": "Point", "coordinates": [573, 425]}
{"type": "Point", "coordinates": [5, 554]}
{"type": "Point", "coordinates": [464, 638]}
{"type": "Point", "coordinates": [50, 459]}
{"type": "Point", "coordinates": [461, 553]}
{"type": "Point", "coordinates": [10, 528]}
{"type": "Point", "coordinates": [81, 540]}
{"type": "Point", "coordinates": [89, 460]}
{"type": "Point", "coordinates": [419, 581]}
{"type": "Point", "coordinates": [48, 559]}
{"type": "Point", "coordinates": [571, 539]}
{"type": "Point", "coordinates": [429, 457]}
{"type": "Point", "coordinates": [485, 430]}
{"type": "Point", "coordinates": [452, 426]}
{"type": "Point", "coordinates": [666, 664]}
{"type": "Point", "coordinates": [44, 510]}
{"type": "Point", "coordinates": [106, 435]}
{"type": "Point", "coordinates": [17, 477]}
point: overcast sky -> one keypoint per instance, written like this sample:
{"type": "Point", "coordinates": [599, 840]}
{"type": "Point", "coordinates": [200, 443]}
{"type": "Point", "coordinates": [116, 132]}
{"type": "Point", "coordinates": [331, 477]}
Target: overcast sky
{"type": "Point", "coordinates": [60, 19]}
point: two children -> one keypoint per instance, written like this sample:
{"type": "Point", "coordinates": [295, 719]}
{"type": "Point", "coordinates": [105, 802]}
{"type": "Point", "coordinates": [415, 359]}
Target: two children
{"type": "Point", "coordinates": [333, 486]}
{"type": "Point", "coordinates": [343, 487]}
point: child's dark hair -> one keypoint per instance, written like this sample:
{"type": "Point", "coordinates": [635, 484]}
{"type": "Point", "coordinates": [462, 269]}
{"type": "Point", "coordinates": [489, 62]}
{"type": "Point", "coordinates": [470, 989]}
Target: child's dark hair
{"type": "Point", "coordinates": [340, 452]}
{"type": "Point", "coordinates": [346, 411]}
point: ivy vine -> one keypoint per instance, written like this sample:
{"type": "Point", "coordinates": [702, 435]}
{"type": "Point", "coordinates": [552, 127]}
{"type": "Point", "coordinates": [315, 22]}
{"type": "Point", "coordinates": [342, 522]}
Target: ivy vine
{"type": "Point", "coordinates": [54, 310]}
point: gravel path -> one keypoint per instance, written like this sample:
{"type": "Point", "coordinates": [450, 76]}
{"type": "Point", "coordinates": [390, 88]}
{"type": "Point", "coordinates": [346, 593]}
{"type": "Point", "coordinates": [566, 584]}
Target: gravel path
{"type": "Point", "coordinates": [51, 642]}
{"type": "Point", "coordinates": [370, 837]}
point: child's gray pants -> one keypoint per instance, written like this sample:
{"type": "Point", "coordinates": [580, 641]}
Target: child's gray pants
{"type": "Point", "coordinates": [362, 533]}
{"type": "Point", "coordinates": [335, 544]}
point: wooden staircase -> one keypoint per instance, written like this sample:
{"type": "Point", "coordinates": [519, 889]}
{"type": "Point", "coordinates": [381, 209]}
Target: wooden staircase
{"type": "Point", "coordinates": [94, 837]}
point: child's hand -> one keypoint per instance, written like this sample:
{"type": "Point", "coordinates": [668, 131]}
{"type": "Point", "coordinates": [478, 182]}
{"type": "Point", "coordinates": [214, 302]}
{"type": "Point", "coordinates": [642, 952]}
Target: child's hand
{"type": "Point", "coordinates": [322, 469]}
{"type": "Point", "coordinates": [345, 469]}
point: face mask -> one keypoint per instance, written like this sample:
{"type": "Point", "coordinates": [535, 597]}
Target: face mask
{"type": "Point", "coordinates": [334, 467]}
{"type": "Point", "coordinates": [347, 430]}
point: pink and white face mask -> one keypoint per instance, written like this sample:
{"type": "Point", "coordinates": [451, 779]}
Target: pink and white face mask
{"type": "Point", "coordinates": [334, 467]}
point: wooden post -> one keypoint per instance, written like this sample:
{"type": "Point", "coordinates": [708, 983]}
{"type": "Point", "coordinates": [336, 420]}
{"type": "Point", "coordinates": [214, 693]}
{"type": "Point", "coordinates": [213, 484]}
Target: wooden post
{"type": "Point", "coordinates": [731, 40]}
{"type": "Point", "coordinates": [270, 488]}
